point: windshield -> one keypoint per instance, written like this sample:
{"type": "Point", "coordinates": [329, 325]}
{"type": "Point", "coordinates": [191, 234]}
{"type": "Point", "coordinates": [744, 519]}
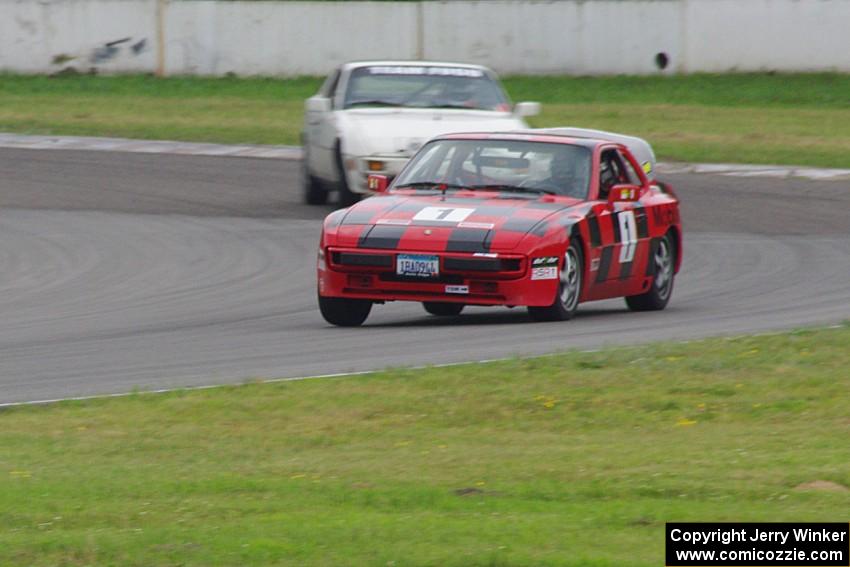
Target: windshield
{"type": "Point", "coordinates": [515, 165]}
{"type": "Point", "coordinates": [424, 87]}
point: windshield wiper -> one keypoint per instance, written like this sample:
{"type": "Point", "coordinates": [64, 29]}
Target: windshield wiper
{"type": "Point", "coordinates": [372, 102]}
{"type": "Point", "coordinates": [428, 185]}
{"type": "Point", "coordinates": [514, 188]}
{"type": "Point", "coordinates": [449, 105]}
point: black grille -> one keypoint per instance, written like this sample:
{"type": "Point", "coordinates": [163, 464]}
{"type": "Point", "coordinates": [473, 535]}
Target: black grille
{"type": "Point", "coordinates": [376, 260]}
{"type": "Point", "coordinates": [481, 264]}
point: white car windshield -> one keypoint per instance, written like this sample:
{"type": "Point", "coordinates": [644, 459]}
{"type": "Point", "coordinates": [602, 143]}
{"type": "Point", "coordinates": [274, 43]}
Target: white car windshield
{"type": "Point", "coordinates": [424, 87]}
{"type": "Point", "coordinates": [508, 165]}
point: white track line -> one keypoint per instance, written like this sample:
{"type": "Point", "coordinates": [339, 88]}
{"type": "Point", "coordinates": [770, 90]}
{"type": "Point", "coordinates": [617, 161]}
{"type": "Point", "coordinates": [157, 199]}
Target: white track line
{"type": "Point", "coordinates": [364, 372]}
{"type": "Point", "coordinates": [85, 143]}
{"type": "Point", "coordinates": [294, 153]}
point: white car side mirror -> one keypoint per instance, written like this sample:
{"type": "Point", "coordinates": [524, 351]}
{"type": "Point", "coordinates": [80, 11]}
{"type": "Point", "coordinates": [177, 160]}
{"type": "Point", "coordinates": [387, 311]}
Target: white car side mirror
{"type": "Point", "coordinates": [318, 104]}
{"type": "Point", "coordinates": [524, 109]}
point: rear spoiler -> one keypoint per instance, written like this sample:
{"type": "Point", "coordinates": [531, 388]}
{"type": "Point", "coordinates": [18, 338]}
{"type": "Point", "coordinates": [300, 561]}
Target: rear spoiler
{"type": "Point", "coordinates": [639, 147]}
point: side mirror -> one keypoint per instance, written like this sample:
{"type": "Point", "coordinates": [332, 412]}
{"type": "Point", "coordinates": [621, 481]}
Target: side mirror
{"type": "Point", "coordinates": [524, 109]}
{"type": "Point", "coordinates": [318, 104]}
{"type": "Point", "coordinates": [624, 193]}
{"type": "Point", "coordinates": [378, 183]}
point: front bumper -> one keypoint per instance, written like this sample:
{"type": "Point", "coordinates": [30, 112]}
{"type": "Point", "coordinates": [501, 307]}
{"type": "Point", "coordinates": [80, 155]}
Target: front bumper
{"type": "Point", "coordinates": [502, 279]}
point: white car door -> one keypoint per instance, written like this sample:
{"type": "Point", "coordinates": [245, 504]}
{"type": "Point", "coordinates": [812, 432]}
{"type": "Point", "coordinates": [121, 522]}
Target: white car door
{"type": "Point", "coordinates": [320, 128]}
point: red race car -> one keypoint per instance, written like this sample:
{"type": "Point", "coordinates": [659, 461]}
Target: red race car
{"type": "Point", "coordinates": [541, 218]}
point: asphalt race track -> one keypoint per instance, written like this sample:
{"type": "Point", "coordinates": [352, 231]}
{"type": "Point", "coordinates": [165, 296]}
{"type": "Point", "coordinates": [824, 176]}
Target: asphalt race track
{"type": "Point", "coordinates": [123, 271]}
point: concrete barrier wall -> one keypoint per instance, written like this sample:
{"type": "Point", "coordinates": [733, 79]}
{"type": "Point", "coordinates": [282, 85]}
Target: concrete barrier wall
{"type": "Point", "coordinates": [213, 37]}
{"type": "Point", "coordinates": [46, 36]}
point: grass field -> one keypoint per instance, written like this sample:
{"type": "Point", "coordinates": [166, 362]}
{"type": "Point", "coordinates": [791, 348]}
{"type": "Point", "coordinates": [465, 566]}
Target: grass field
{"type": "Point", "coordinates": [748, 118]}
{"type": "Point", "coordinates": [575, 459]}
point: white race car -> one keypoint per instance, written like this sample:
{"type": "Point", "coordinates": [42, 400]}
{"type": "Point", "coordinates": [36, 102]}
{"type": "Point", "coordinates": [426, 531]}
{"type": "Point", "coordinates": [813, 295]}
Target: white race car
{"type": "Point", "coordinates": [371, 117]}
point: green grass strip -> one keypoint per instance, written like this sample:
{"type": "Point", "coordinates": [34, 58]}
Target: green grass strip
{"type": "Point", "coordinates": [801, 119]}
{"type": "Point", "coordinates": [574, 459]}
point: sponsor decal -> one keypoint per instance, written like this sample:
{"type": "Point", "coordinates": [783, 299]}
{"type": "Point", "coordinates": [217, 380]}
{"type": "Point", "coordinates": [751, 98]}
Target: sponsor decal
{"type": "Point", "coordinates": [461, 289]}
{"type": "Point", "coordinates": [422, 70]}
{"type": "Point", "coordinates": [594, 265]}
{"type": "Point", "coordinates": [393, 222]}
{"type": "Point", "coordinates": [545, 261]}
{"type": "Point", "coordinates": [486, 254]}
{"type": "Point", "coordinates": [443, 214]}
{"type": "Point", "coordinates": [647, 167]}
{"type": "Point", "coordinates": [545, 273]}
{"type": "Point", "coordinates": [627, 194]}
{"type": "Point", "coordinates": [481, 225]}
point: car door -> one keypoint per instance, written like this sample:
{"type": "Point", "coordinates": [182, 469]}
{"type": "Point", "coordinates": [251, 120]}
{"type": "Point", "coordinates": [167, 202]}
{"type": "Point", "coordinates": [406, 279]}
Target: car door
{"type": "Point", "coordinates": [632, 225]}
{"type": "Point", "coordinates": [616, 228]}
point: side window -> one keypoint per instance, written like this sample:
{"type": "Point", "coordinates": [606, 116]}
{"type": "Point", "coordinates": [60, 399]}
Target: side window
{"type": "Point", "coordinates": [610, 172]}
{"type": "Point", "coordinates": [631, 175]}
{"type": "Point", "coordinates": [614, 169]}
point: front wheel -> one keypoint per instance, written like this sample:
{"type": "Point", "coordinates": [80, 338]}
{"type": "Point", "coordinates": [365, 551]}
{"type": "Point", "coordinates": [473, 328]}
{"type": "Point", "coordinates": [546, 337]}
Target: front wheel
{"type": "Point", "coordinates": [314, 192]}
{"type": "Point", "coordinates": [664, 261]}
{"type": "Point", "coordinates": [569, 288]}
{"type": "Point", "coordinates": [344, 312]}
{"type": "Point", "coordinates": [443, 309]}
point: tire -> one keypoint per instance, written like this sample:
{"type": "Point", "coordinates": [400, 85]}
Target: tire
{"type": "Point", "coordinates": [344, 312]}
{"type": "Point", "coordinates": [314, 192]}
{"type": "Point", "coordinates": [656, 299]}
{"type": "Point", "coordinates": [347, 197]}
{"type": "Point", "coordinates": [569, 289]}
{"type": "Point", "coordinates": [443, 309]}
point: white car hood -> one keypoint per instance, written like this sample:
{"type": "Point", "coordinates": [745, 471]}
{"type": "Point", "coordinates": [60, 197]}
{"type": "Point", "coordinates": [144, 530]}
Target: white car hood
{"type": "Point", "coordinates": [401, 131]}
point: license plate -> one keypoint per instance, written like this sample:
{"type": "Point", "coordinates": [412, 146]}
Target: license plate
{"type": "Point", "coordinates": [417, 266]}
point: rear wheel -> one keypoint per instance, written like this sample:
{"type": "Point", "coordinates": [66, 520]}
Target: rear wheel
{"type": "Point", "coordinates": [344, 312]}
{"type": "Point", "coordinates": [443, 309]}
{"type": "Point", "coordinates": [347, 197]}
{"type": "Point", "coordinates": [569, 288]}
{"type": "Point", "coordinates": [664, 261]}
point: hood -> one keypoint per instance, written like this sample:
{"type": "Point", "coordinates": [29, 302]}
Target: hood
{"type": "Point", "coordinates": [404, 130]}
{"type": "Point", "coordinates": [451, 224]}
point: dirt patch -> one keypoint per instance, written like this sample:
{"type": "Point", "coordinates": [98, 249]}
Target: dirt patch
{"type": "Point", "coordinates": [822, 486]}
{"type": "Point", "coordinates": [468, 491]}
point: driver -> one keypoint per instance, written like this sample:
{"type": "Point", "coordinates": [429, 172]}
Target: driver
{"type": "Point", "coordinates": [562, 175]}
